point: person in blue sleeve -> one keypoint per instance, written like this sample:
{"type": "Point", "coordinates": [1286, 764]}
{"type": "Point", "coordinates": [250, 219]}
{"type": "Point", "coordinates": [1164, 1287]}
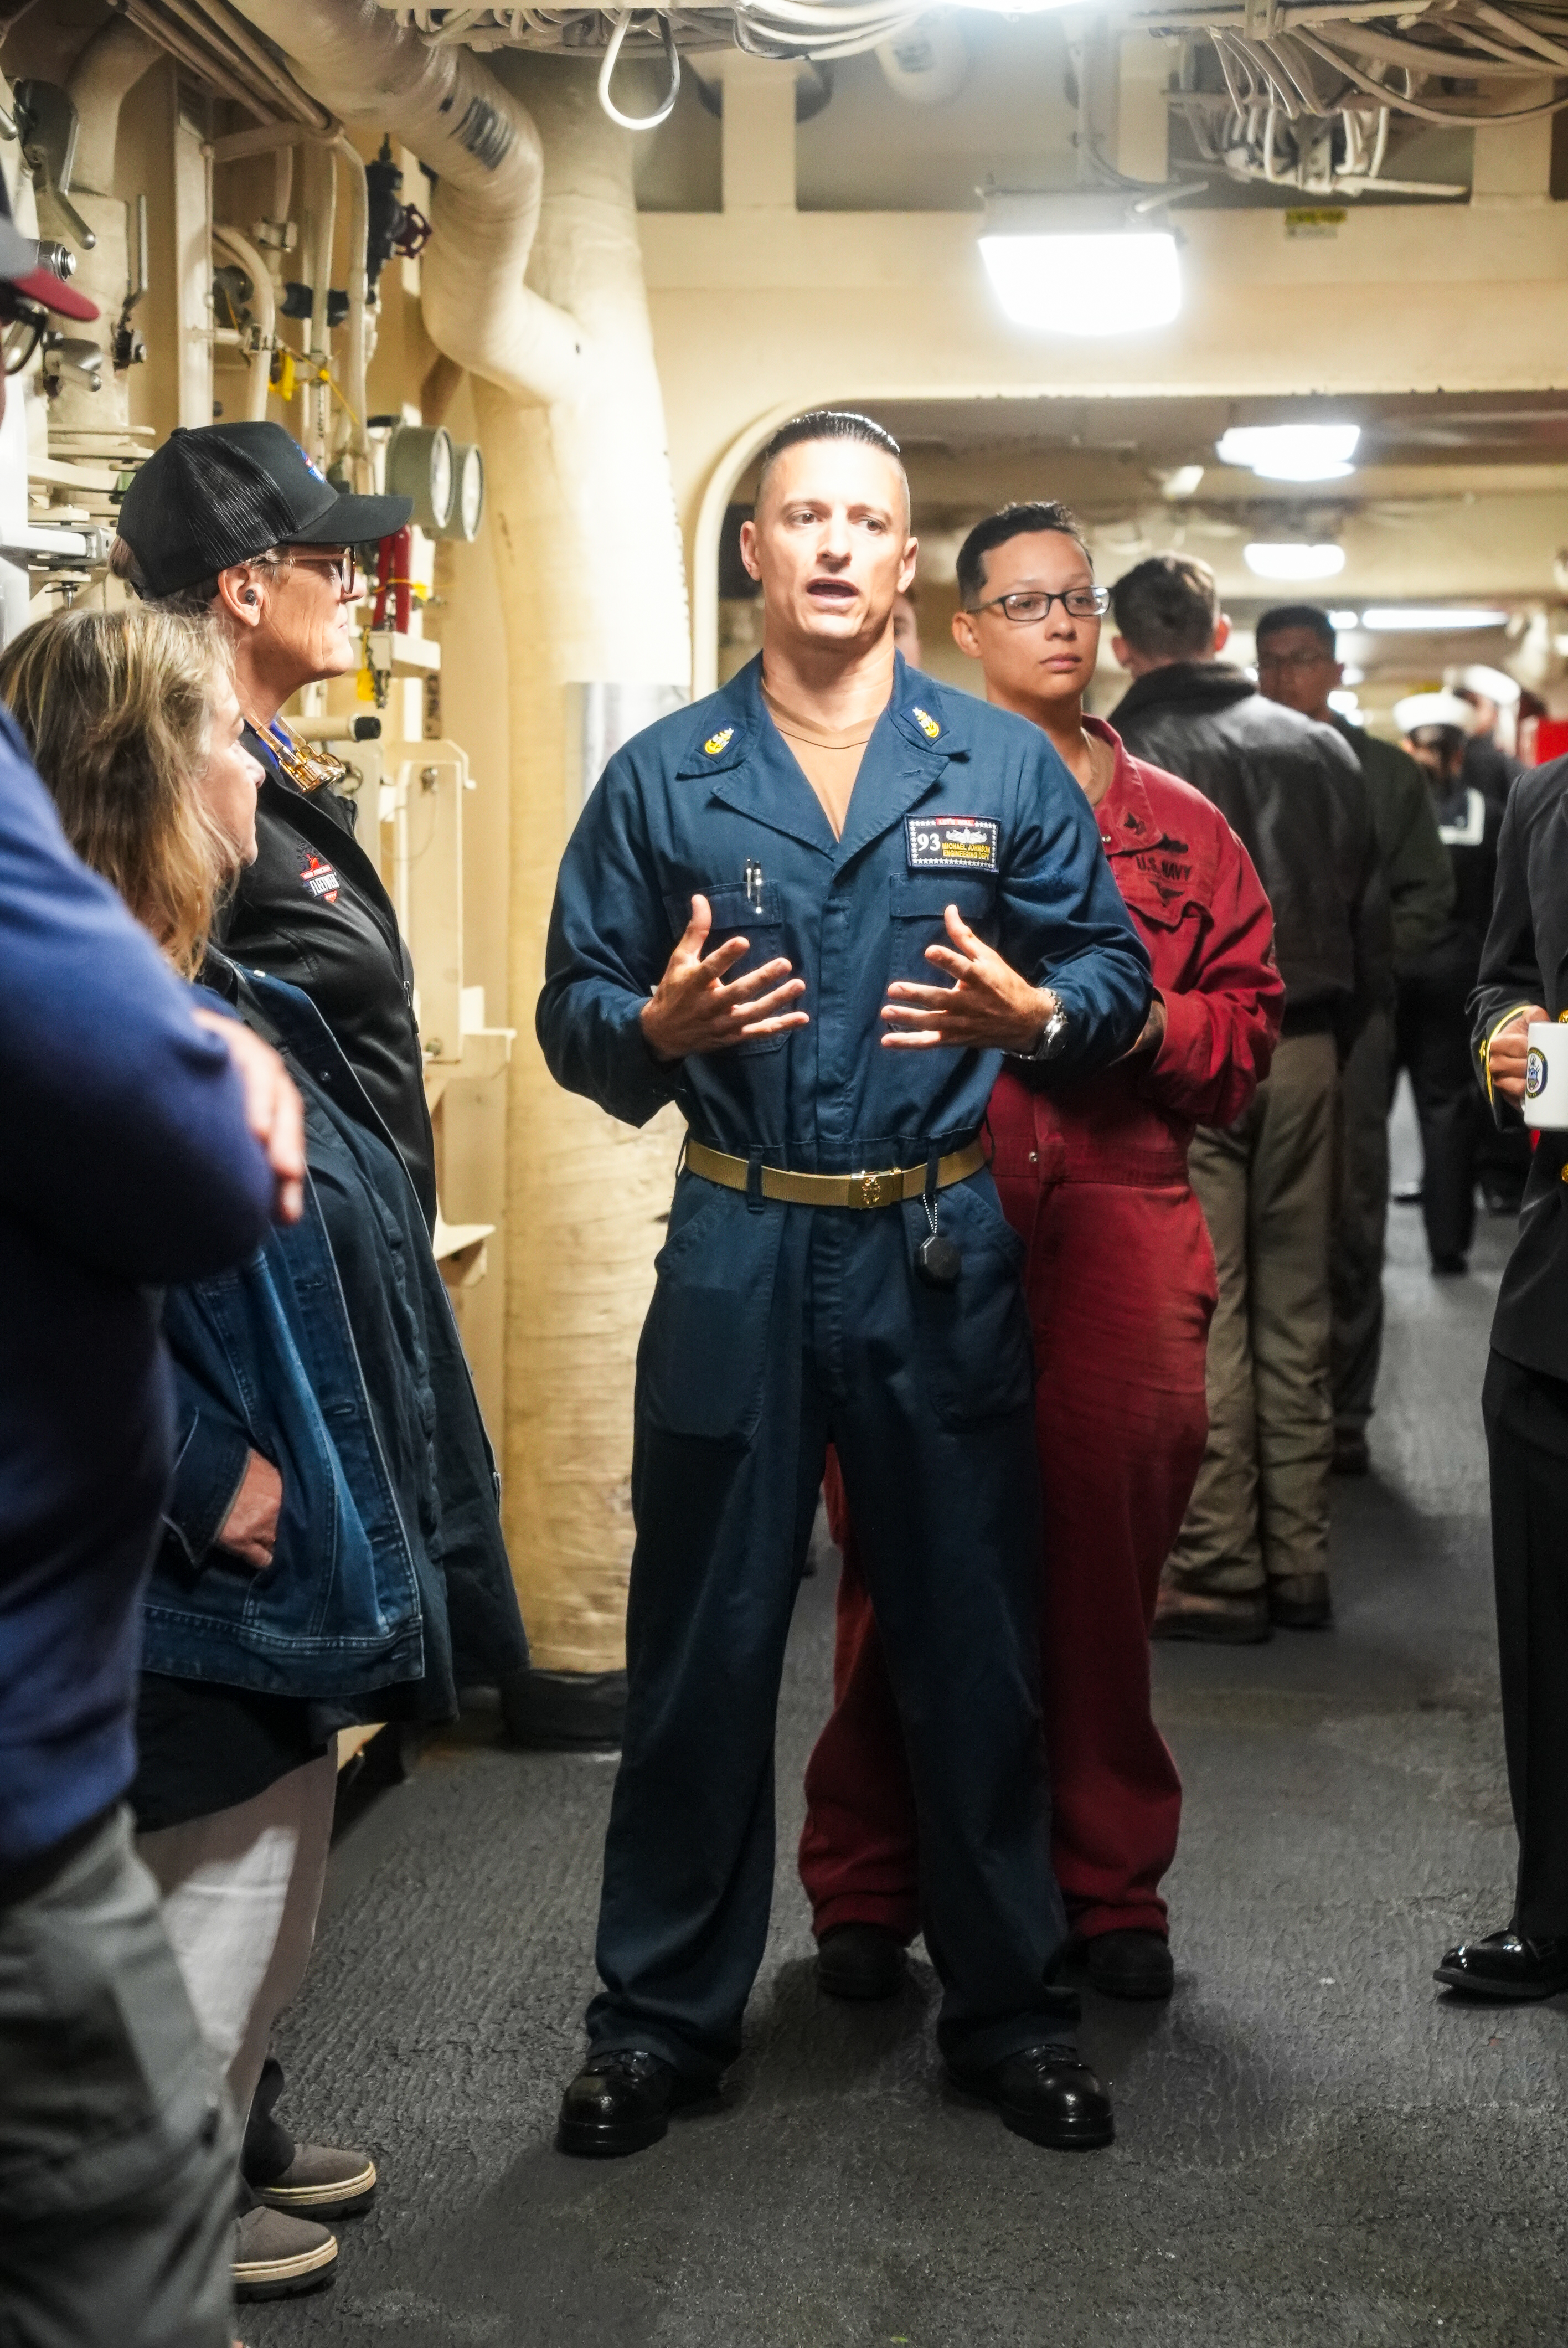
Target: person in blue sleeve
{"type": "Point", "coordinates": [815, 910]}
{"type": "Point", "coordinates": [141, 1143]}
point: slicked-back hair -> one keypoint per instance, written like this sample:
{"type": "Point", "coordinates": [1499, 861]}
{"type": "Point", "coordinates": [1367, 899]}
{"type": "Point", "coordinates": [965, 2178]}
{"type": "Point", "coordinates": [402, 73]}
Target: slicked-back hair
{"type": "Point", "coordinates": [1168, 606]}
{"type": "Point", "coordinates": [830, 424]}
{"type": "Point", "coordinates": [1299, 616]}
{"type": "Point", "coordinates": [1023, 520]}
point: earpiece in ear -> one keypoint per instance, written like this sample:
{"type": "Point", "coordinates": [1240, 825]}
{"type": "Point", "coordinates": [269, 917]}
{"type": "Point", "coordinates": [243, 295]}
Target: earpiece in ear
{"type": "Point", "coordinates": [250, 595]}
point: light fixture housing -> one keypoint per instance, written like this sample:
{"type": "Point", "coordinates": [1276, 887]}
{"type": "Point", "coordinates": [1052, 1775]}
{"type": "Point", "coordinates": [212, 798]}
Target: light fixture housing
{"type": "Point", "coordinates": [1293, 559]}
{"type": "Point", "coordinates": [1081, 264]}
{"type": "Point", "coordinates": [1426, 619]}
{"type": "Point", "coordinates": [1291, 452]}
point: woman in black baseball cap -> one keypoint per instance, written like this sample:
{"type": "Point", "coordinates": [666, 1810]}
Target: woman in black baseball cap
{"type": "Point", "coordinates": [234, 520]}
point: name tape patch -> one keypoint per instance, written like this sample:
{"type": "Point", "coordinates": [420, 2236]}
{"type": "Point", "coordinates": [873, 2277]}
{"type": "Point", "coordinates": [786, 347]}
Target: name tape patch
{"type": "Point", "coordinates": [950, 844]}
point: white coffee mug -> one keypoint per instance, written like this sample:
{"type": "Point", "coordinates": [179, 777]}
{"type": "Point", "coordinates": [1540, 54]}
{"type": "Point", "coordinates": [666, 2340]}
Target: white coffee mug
{"type": "Point", "coordinates": [1546, 1076]}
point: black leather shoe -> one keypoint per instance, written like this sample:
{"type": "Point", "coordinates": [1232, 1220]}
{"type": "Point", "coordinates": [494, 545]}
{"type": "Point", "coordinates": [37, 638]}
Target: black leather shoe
{"type": "Point", "coordinates": [1351, 1456]}
{"type": "Point", "coordinates": [1504, 1966]}
{"type": "Point", "coordinates": [619, 2101]}
{"type": "Point", "coordinates": [1300, 1601]}
{"type": "Point", "coordinates": [1130, 1964]}
{"type": "Point", "coordinates": [860, 1960]}
{"type": "Point", "coordinates": [1046, 2093]}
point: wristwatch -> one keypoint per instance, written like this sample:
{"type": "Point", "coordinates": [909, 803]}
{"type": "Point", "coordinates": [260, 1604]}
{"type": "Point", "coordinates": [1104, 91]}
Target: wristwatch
{"type": "Point", "coordinates": [1051, 1038]}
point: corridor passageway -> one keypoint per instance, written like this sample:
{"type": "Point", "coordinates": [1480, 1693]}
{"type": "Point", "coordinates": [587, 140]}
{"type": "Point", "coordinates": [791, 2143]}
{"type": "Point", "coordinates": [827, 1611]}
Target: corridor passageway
{"type": "Point", "coordinates": [1315, 2144]}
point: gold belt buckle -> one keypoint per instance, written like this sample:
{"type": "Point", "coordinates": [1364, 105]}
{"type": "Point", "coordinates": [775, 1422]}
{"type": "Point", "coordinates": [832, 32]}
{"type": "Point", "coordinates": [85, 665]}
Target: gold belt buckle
{"type": "Point", "coordinates": [877, 1189]}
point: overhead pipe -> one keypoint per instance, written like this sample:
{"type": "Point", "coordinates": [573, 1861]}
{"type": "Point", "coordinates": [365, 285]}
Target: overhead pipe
{"type": "Point", "coordinates": [349, 437]}
{"type": "Point", "coordinates": [255, 269]}
{"type": "Point", "coordinates": [102, 78]}
{"type": "Point", "coordinates": [483, 150]}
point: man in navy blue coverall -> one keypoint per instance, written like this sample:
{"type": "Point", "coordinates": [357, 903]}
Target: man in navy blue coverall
{"type": "Point", "coordinates": [894, 885]}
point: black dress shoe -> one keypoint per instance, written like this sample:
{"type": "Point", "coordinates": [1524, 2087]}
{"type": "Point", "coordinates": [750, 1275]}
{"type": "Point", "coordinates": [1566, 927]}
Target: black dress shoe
{"type": "Point", "coordinates": [1300, 1601]}
{"type": "Point", "coordinates": [860, 1960]}
{"type": "Point", "coordinates": [1449, 1267]}
{"type": "Point", "coordinates": [1130, 1964]}
{"type": "Point", "coordinates": [1351, 1456]}
{"type": "Point", "coordinates": [621, 2102]}
{"type": "Point", "coordinates": [1046, 2093]}
{"type": "Point", "coordinates": [1504, 1966]}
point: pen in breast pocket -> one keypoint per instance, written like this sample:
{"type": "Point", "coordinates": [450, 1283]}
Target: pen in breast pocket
{"type": "Point", "coordinates": [754, 884]}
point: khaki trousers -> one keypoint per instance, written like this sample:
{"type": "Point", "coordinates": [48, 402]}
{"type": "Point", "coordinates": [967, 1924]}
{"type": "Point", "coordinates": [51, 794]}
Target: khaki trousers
{"type": "Point", "coordinates": [1260, 1508]}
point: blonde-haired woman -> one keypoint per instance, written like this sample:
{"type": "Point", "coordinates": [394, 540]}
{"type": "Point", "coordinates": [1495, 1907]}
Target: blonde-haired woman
{"type": "Point", "coordinates": [334, 1485]}
{"type": "Point", "coordinates": [134, 725]}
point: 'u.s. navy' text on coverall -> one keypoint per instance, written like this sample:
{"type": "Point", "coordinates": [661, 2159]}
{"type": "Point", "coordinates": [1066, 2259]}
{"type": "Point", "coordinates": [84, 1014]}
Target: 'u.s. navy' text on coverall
{"type": "Point", "coordinates": [775, 1329]}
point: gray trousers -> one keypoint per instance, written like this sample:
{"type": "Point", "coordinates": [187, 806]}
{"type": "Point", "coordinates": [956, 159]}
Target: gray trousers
{"type": "Point", "coordinates": [1361, 1221]}
{"type": "Point", "coordinates": [1260, 1508]}
{"type": "Point", "coordinates": [116, 2151]}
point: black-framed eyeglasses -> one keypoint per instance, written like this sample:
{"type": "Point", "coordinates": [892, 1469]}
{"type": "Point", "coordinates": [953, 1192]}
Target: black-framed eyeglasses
{"type": "Point", "coordinates": [24, 325]}
{"type": "Point", "coordinates": [1031, 603]}
{"type": "Point", "coordinates": [345, 567]}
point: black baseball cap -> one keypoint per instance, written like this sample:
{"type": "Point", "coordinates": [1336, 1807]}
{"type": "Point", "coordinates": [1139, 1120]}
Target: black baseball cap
{"type": "Point", "coordinates": [221, 493]}
{"type": "Point", "coordinates": [19, 268]}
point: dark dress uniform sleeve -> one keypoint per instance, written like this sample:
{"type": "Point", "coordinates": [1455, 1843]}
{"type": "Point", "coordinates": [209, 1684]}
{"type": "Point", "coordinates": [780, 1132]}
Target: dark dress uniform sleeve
{"type": "Point", "coordinates": [1509, 976]}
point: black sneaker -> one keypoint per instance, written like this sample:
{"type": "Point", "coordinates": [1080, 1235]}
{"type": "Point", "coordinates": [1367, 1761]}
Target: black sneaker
{"type": "Point", "coordinates": [860, 1961]}
{"type": "Point", "coordinates": [621, 2102]}
{"type": "Point", "coordinates": [1046, 2093]}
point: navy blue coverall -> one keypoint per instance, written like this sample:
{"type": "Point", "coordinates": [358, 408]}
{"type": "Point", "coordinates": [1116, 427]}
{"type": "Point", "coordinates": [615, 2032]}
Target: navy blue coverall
{"type": "Point", "coordinates": [776, 1328]}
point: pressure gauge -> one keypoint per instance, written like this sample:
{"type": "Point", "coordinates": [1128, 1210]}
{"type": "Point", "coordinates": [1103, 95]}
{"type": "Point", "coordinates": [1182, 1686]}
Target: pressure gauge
{"type": "Point", "coordinates": [420, 466]}
{"type": "Point", "coordinates": [468, 501]}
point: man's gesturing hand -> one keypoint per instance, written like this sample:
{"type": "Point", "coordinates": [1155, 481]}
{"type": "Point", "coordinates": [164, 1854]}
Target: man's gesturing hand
{"type": "Point", "coordinates": [1508, 1050]}
{"type": "Point", "coordinates": [990, 1007]}
{"type": "Point", "coordinates": [274, 1110]}
{"type": "Point", "coordinates": [693, 1010]}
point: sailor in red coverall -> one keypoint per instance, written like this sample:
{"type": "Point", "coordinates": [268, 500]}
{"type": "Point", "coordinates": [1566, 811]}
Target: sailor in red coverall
{"type": "Point", "coordinates": [1092, 1177]}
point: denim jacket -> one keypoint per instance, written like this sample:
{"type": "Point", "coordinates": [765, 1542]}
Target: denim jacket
{"type": "Point", "coordinates": [265, 1359]}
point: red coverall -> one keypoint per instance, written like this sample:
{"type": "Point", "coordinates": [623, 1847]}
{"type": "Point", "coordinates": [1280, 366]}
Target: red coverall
{"type": "Point", "coordinates": [1092, 1176]}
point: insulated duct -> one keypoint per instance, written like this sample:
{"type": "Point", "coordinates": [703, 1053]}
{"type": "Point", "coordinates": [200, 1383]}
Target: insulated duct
{"type": "Point", "coordinates": [485, 153]}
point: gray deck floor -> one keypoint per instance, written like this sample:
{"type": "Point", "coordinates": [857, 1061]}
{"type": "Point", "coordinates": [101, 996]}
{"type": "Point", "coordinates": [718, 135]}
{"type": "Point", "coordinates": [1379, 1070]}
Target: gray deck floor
{"type": "Point", "coordinates": [1315, 2144]}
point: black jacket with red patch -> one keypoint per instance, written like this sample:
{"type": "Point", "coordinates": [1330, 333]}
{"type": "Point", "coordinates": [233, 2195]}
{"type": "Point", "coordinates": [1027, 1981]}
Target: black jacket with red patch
{"type": "Point", "coordinates": [1292, 792]}
{"type": "Point", "coordinates": [312, 909]}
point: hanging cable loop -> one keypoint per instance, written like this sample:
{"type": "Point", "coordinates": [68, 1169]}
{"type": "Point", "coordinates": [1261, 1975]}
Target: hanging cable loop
{"type": "Point", "coordinates": [640, 121]}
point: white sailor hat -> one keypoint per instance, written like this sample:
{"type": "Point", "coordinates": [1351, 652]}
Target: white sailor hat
{"type": "Point", "coordinates": [1493, 684]}
{"type": "Point", "coordinates": [1418, 709]}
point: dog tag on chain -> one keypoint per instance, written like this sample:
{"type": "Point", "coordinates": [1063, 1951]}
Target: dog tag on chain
{"type": "Point", "coordinates": [939, 1262]}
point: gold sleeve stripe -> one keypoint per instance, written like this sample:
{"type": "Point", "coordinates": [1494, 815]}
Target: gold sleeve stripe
{"type": "Point", "coordinates": [1491, 1037]}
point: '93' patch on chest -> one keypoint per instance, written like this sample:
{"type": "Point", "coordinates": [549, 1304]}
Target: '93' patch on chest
{"type": "Point", "coordinates": [952, 843]}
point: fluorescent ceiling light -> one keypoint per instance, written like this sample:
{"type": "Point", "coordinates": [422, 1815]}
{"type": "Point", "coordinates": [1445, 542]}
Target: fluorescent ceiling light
{"type": "Point", "coordinates": [1347, 703]}
{"type": "Point", "coordinates": [1080, 264]}
{"type": "Point", "coordinates": [1344, 619]}
{"type": "Point", "coordinates": [1431, 619]}
{"type": "Point", "coordinates": [1290, 559]}
{"type": "Point", "coordinates": [1291, 452]}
